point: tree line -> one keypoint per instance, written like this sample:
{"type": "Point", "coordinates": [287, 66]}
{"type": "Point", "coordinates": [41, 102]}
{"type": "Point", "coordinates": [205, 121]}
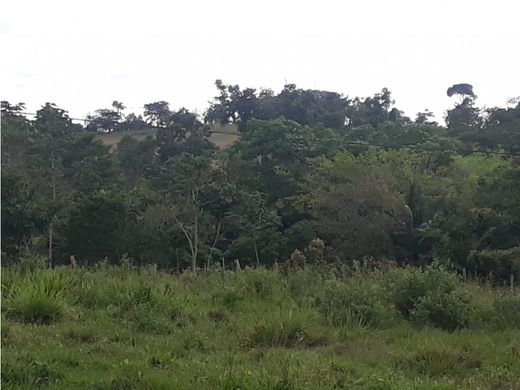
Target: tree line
{"type": "Point", "coordinates": [354, 174]}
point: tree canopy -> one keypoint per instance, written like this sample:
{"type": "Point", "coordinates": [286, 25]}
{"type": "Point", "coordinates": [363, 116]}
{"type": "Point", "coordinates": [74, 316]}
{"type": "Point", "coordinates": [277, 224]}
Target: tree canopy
{"type": "Point", "coordinates": [355, 173]}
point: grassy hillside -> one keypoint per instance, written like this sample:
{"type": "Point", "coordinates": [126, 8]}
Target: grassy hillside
{"type": "Point", "coordinates": [220, 139]}
{"type": "Point", "coordinates": [125, 328]}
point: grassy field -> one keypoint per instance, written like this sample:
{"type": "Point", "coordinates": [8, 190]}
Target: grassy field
{"type": "Point", "coordinates": [220, 139]}
{"type": "Point", "coordinates": [316, 328]}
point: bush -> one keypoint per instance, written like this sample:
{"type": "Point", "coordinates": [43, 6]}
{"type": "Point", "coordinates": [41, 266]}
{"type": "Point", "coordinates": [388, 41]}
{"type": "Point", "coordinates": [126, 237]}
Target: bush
{"type": "Point", "coordinates": [408, 286]}
{"type": "Point", "coordinates": [447, 311]}
{"type": "Point", "coordinates": [355, 303]}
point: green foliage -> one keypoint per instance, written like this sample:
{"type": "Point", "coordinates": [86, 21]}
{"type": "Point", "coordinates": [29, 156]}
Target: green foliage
{"type": "Point", "coordinates": [498, 263]}
{"type": "Point", "coordinates": [448, 311]}
{"type": "Point", "coordinates": [354, 203]}
{"type": "Point", "coordinates": [95, 227]}
{"type": "Point", "coordinates": [430, 297]}
{"type": "Point", "coordinates": [407, 287]}
{"type": "Point", "coordinates": [307, 107]}
{"type": "Point", "coordinates": [306, 164]}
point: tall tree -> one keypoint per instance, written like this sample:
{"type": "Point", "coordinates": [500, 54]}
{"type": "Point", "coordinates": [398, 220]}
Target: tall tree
{"type": "Point", "coordinates": [250, 219]}
{"type": "Point", "coordinates": [157, 113]}
{"type": "Point", "coordinates": [355, 205]}
{"type": "Point", "coordinates": [55, 131]}
{"type": "Point", "coordinates": [191, 185]}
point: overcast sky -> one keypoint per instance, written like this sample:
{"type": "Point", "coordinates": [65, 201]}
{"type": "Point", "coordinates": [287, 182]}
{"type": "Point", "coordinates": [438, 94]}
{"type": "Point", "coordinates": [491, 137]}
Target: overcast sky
{"type": "Point", "coordinates": [82, 55]}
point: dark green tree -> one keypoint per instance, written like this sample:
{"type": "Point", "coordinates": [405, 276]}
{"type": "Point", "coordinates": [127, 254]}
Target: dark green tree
{"type": "Point", "coordinates": [95, 227]}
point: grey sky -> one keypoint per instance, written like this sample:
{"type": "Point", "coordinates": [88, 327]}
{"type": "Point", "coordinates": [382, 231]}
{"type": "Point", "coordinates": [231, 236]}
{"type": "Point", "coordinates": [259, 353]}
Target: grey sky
{"type": "Point", "coordinates": [81, 55]}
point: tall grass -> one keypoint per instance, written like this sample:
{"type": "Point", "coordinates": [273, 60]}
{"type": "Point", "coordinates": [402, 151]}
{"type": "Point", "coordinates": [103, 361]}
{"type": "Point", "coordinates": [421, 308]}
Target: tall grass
{"type": "Point", "coordinates": [279, 331]}
{"type": "Point", "coordinates": [38, 298]}
{"type": "Point", "coordinates": [125, 327]}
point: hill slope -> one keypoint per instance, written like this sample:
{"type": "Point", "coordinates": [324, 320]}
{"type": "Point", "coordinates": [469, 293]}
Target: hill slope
{"type": "Point", "coordinates": [220, 139]}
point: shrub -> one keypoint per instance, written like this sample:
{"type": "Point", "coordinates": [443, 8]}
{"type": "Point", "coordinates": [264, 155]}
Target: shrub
{"type": "Point", "coordinates": [408, 286]}
{"type": "Point", "coordinates": [447, 311]}
{"type": "Point", "coordinates": [354, 303]}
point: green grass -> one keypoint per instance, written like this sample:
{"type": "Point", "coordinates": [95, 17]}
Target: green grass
{"type": "Point", "coordinates": [122, 328]}
{"type": "Point", "coordinates": [113, 138]}
{"type": "Point", "coordinates": [220, 139]}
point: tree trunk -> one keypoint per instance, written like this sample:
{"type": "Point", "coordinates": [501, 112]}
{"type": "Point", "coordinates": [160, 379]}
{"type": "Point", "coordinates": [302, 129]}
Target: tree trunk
{"type": "Point", "coordinates": [256, 252]}
{"type": "Point", "coordinates": [195, 249]}
{"type": "Point", "coordinates": [51, 230]}
{"type": "Point", "coordinates": [217, 235]}
{"type": "Point", "coordinates": [50, 244]}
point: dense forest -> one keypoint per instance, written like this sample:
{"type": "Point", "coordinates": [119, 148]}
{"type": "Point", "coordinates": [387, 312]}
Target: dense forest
{"type": "Point", "coordinates": [314, 176]}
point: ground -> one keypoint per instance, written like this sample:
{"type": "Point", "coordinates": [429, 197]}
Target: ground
{"type": "Point", "coordinates": [123, 328]}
